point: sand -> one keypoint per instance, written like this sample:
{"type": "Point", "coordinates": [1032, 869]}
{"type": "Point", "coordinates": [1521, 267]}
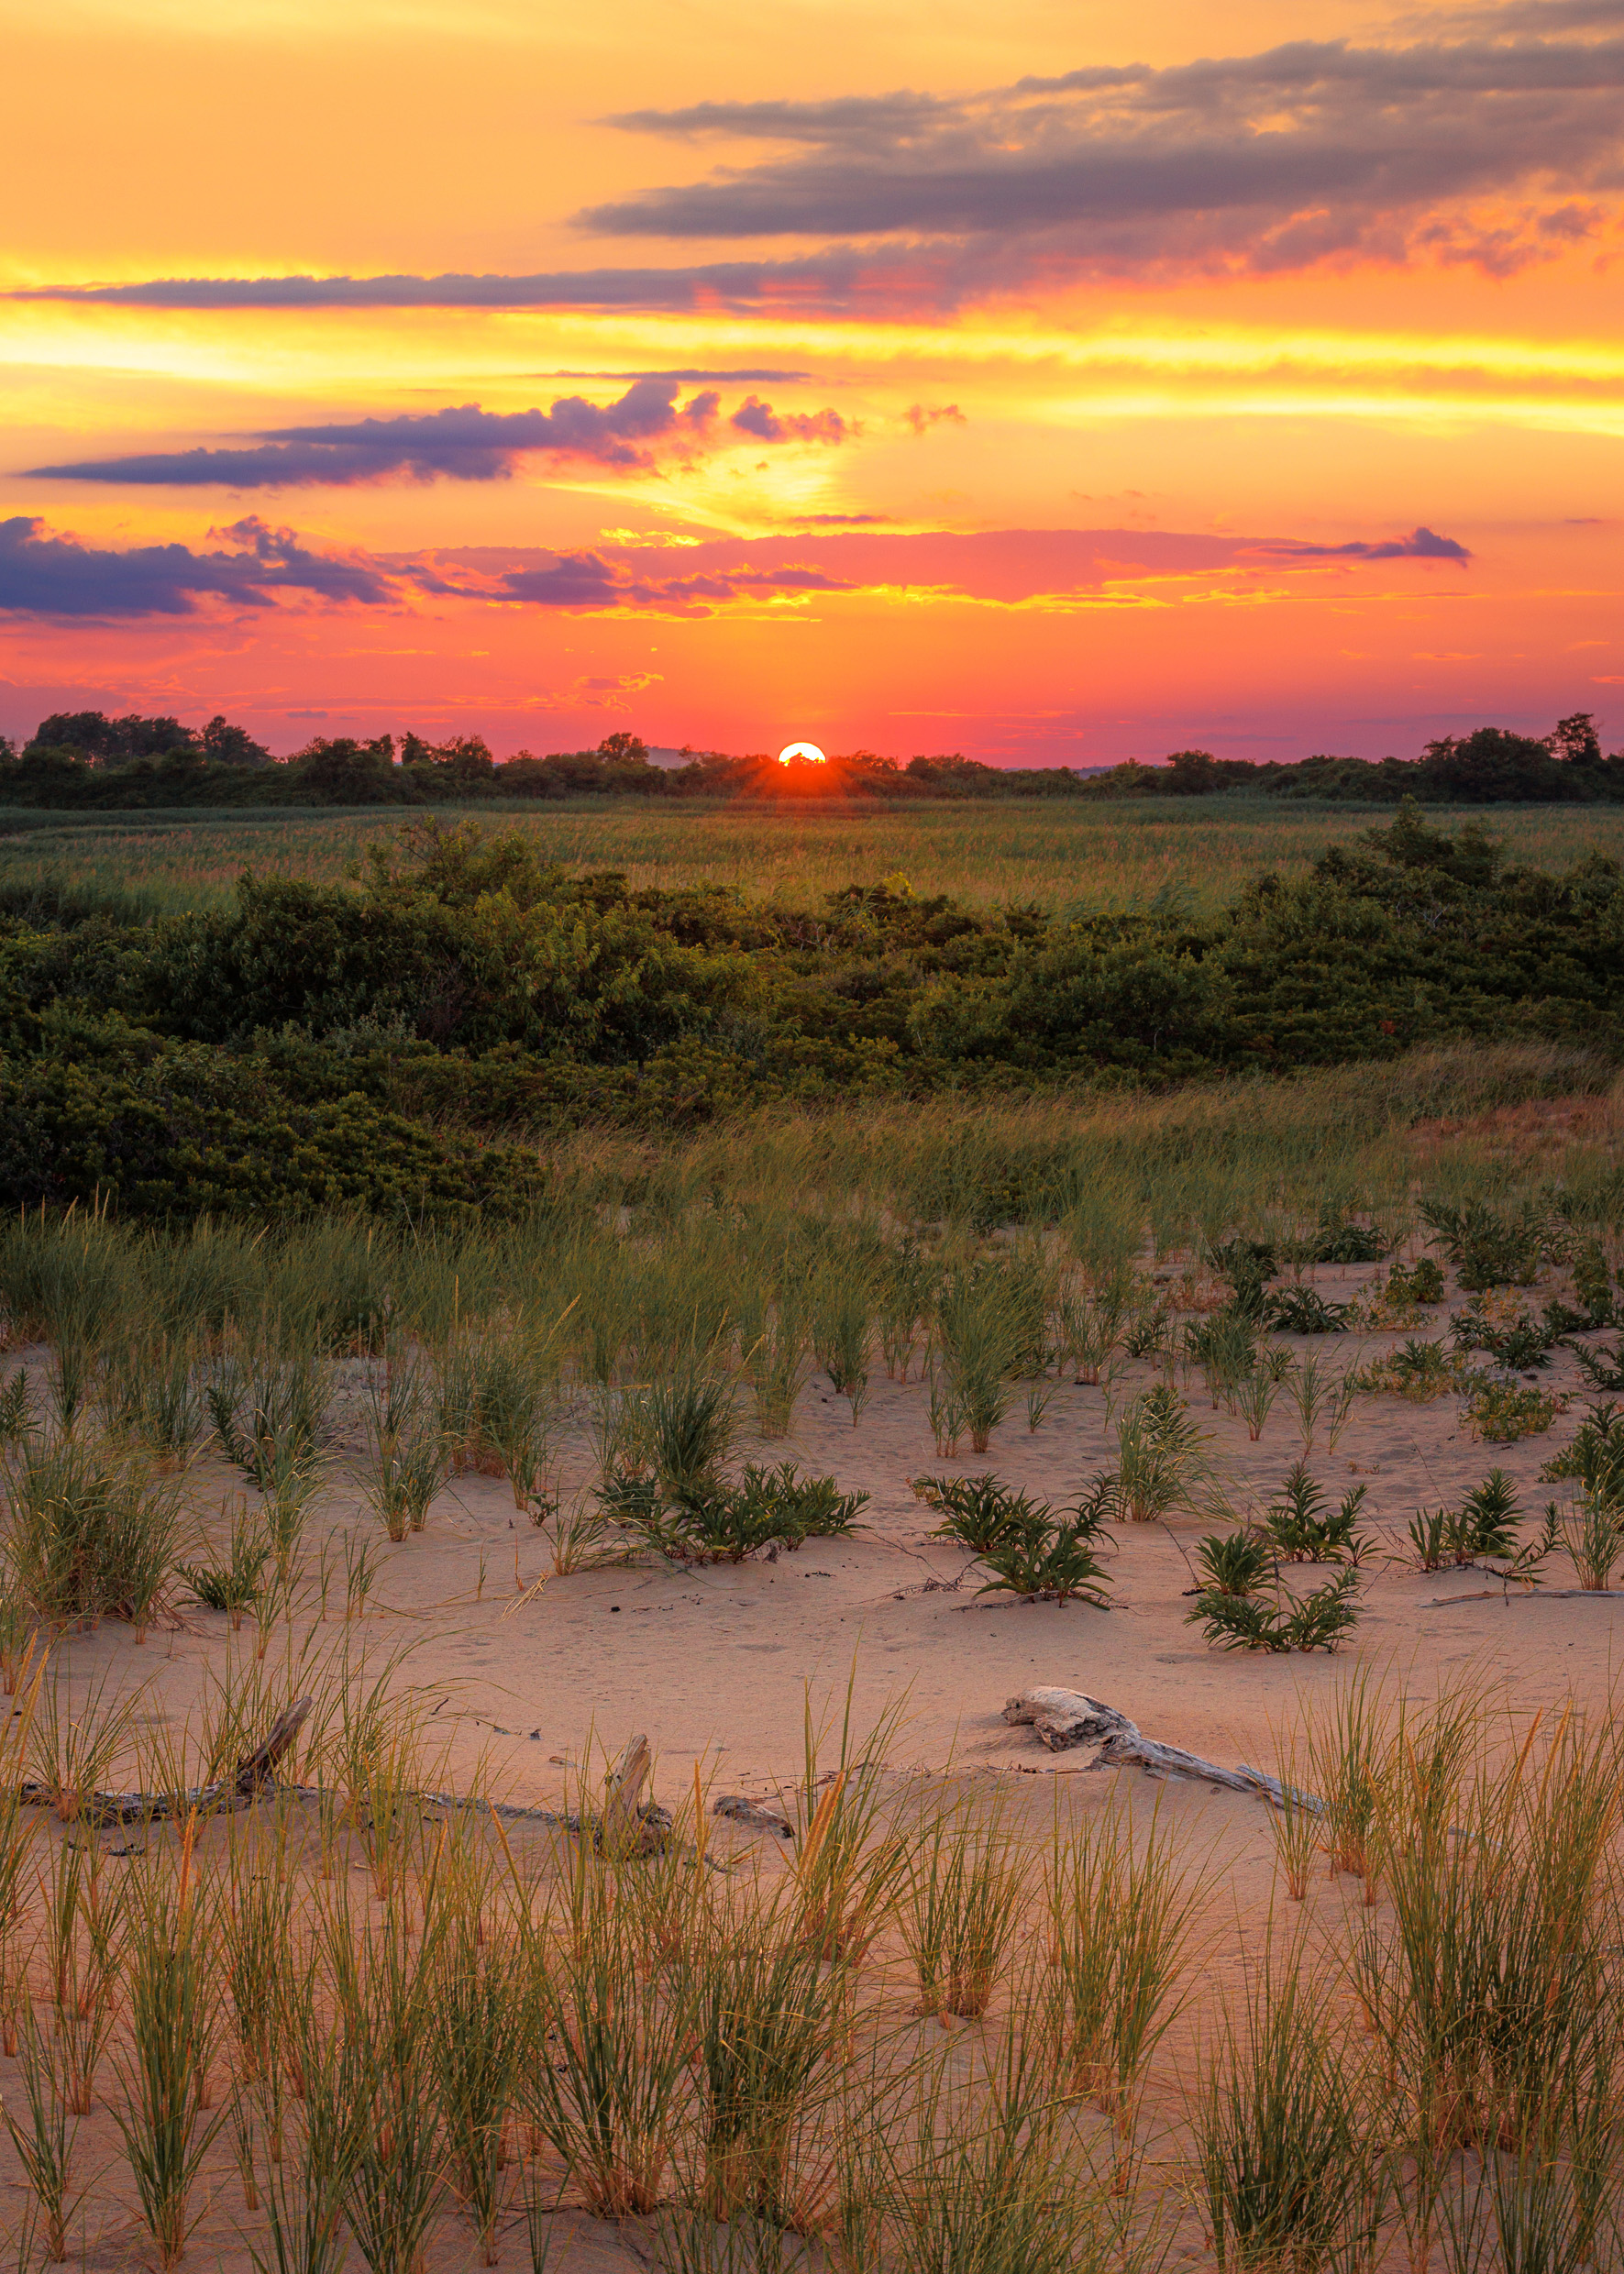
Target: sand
{"type": "Point", "coordinates": [533, 1688]}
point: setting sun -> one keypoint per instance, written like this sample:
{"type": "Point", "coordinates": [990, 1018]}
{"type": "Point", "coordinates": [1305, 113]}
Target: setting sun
{"type": "Point", "coordinates": [808, 751]}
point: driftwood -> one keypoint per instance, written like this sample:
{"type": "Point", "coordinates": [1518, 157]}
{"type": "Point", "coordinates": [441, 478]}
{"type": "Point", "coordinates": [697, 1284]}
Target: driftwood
{"type": "Point", "coordinates": [1063, 1718]}
{"type": "Point", "coordinates": [1545, 1594]}
{"type": "Point", "coordinates": [247, 1781]}
{"type": "Point", "coordinates": [626, 1824]}
{"type": "Point", "coordinates": [738, 1808]}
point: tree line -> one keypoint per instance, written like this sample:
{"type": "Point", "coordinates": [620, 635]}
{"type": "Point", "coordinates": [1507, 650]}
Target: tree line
{"type": "Point", "coordinates": [85, 760]}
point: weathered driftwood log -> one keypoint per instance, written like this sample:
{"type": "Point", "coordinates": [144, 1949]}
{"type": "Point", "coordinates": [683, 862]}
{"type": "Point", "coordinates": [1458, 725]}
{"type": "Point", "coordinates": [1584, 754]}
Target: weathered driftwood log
{"type": "Point", "coordinates": [1066, 1717]}
{"type": "Point", "coordinates": [251, 1774]}
{"type": "Point", "coordinates": [1063, 1718]}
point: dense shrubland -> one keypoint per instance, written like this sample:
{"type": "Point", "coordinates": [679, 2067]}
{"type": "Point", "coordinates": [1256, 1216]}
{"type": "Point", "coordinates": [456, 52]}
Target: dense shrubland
{"type": "Point", "coordinates": [398, 1043]}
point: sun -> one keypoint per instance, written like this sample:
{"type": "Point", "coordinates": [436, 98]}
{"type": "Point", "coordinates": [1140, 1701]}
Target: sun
{"type": "Point", "coordinates": [807, 750]}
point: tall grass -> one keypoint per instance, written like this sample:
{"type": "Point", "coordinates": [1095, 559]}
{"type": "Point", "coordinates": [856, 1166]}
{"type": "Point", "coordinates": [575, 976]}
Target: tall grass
{"type": "Point", "coordinates": [1090, 858]}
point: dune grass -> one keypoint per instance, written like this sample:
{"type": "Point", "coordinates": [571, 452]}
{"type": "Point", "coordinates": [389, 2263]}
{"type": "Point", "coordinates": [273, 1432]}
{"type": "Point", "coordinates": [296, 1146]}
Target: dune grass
{"type": "Point", "coordinates": [1140, 853]}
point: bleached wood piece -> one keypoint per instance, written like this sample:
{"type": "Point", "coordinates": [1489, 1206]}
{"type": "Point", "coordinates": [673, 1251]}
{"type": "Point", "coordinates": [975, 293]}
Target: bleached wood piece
{"type": "Point", "coordinates": [1063, 1718]}
{"type": "Point", "coordinates": [622, 1825]}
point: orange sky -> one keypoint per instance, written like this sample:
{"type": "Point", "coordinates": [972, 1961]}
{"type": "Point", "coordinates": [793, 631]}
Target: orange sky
{"type": "Point", "coordinates": [907, 376]}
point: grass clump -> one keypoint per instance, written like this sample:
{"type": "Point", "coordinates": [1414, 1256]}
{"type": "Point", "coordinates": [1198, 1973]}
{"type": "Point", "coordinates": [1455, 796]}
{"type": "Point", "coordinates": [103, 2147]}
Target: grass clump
{"type": "Point", "coordinates": [1286, 2132]}
{"type": "Point", "coordinates": [92, 1533]}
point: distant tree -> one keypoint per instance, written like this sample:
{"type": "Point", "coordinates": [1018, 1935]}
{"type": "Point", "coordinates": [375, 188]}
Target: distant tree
{"type": "Point", "coordinates": [112, 742]}
{"type": "Point", "coordinates": [463, 764]}
{"type": "Point", "coordinates": [1195, 773]}
{"type": "Point", "coordinates": [225, 745]}
{"type": "Point", "coordinates": [623, 749]}
{"type": "Point", "coordinates": [1493, 766]}
{"type": "Point", "coordinates": [1574, 742]}
{"type": "Point", "coordinates": [346, 772]}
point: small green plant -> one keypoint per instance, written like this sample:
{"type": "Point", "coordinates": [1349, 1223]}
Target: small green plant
{"type": "Point", "coordinates": [1488, 1247]}
{"type": "Point", "coordinates": [1255, 1393]}
{"type": "Point", "coordinates": [13, 1408]}
{"type": "Point", "coordinates": [151, 1393]}
{"type": "Point", "coordinates": [1595, 1455]}
{"type": "Point", "coordinates": [805, 1507]}
{"type": "Point", "coordinates": [843, 1335]}
{"type": "Point", "coordinates": [1318, 1621]}
{"type": "Point", "coordinates": [1418, 1372]}
{"type": "Point", "coordinates": [46, 2138]}
{"type": "Point", "coordinates": [515, 1418]}
{"type": "Point", "coordinates": [1304, 1310]}
{"type": "Point", "coordinates": [691, 1428]}
{"type": "Point", "coordinates": [1301, 1527]}
{"type": "Point", "coordinates": [1225, 1345]}
{"type": "Point", "coordinates": [1519, 1344]}
{"type": "Point", "coordinates": [1342, 1241]}
{"type": "Point", "coordinates": [1119, 1911]}
{"type": "Point", "coordinates": [980, 1513]}
{"type": "Point", "coordinates": [1593, 1536]}
{"type": "Point", "coordinates": [1162, 1464]}
{"type": "Point", "coordinates": [1053, 1565]}
{"type": "Point", "coordinates": [92, 1534]}
{"type": "Point", "coordinates": [1248, 1266]}
{"type": "Point", "coordinates": [1235, 1563]}
{"type": "Point", "coordinates": [1284, 2139]}
{"type": "Point", "coordinates": [405, 1473]}
{"type": "Point", "coordinates": [1501, 1412]}
{"type": "Point", "coordinates": [234, 1586]}
{"type": "Point", "coordinates": [1484, 1526]}
{"type": "Point", "coordinates": [264, 1407]}
{"type": "Point", "coordinates": [167, 2132]}
{"type": "Point", "coordinates": [1420, 1284]}
{"type": "Point", "coordinates": [1604, 1369]}
{"type": "Point", "coordinates": [961, 1906]}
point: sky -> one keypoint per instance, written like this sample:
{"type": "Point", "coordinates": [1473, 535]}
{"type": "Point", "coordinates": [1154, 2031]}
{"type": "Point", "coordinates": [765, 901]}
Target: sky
{"type": "Point", "coordinates": [1054, 382]}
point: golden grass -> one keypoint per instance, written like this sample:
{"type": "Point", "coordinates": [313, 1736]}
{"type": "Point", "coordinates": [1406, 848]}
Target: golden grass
{"type": "Point", "coordinates": [1125, 855]}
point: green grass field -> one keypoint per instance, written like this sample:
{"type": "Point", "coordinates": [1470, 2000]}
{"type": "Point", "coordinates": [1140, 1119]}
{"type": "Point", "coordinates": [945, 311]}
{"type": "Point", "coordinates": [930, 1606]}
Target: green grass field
{"type": "Point", "coordinates": [1081, 858]}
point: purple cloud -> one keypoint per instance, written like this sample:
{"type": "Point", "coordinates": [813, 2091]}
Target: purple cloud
{"type": "Point", "coordinates": [465, 444]}
{"type": "Point", "coordinates": [44, 575]}
{"type": "Point", "coordinates": [755, 417]}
